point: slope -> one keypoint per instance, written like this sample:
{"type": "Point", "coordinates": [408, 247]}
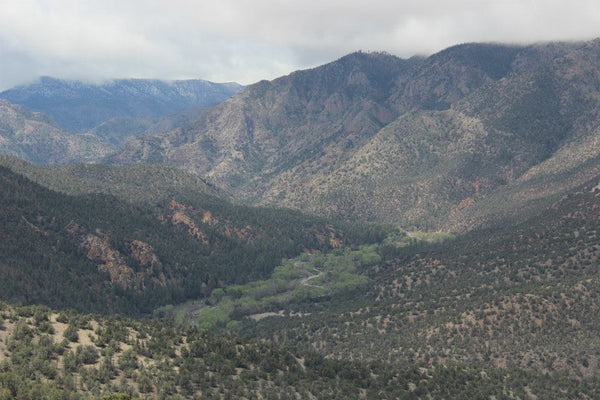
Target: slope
{"type": "Point", "coordinates": [521, 296]}
{"type": "Point", "coordinates": [47, 354]}
{"type": "Point", "coordinates": [309, 118]}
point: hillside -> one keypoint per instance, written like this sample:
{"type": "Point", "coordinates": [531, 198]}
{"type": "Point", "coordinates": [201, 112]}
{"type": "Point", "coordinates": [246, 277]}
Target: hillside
{"type": "Point", "coordinates": [97, 252]}
{"type": "Point", "coordinates": [147, 184]}
{"type": "Point", "coordinates": [48, 355]}
{"type": "Point", "coordinates": [79, 106]}
{"type": "Point", "coordinates": [272, 126]}
{"type": "Point", "coordinates": [483, 160]}
{"type": "Point", "coordinates": [118, 130]}
{"type": "Point", "coordinates": [520, 297]}
{"type": "Point", "coordinates": [417, 142]}
{"type": "Point", "coordinates": [35, 137]}
{"type": "Point", "coordinates": [508, 312]}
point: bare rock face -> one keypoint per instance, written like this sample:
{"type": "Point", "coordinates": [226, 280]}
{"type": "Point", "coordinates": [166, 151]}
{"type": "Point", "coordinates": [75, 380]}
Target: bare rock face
{"type": "Point", "coordinates": [151, 265]}
{"type": "Point", "coordinates": [144, 254]}
{"type": "Point", "coordinates": [179, 217]}
{"type": "Point", "coordinates": [111, 261]}
{"type": "Point", "coordinates": [194, 219]}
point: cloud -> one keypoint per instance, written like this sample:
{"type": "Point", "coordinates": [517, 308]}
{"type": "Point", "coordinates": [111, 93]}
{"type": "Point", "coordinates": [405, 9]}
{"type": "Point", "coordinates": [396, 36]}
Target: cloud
{"type": "Point", "coordinates": [243, 40]}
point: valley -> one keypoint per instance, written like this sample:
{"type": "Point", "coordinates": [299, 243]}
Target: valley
{"type": "Point", "coordinates": [372, 228]}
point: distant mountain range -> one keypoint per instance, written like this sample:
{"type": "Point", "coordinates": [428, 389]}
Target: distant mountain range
{"type": "Point", "coordinates": [57, 121]}
{"type": "Point", "coordinates": [79, 106]}
{"type": "Point", "coordinates": [422, 142]}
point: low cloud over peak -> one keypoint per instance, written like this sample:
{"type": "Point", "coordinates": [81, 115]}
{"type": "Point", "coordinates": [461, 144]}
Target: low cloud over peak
{"type": "Point", "coordinates": [237, 40]}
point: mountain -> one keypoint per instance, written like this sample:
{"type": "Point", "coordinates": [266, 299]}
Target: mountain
{"type": "Point", "coordinates": [511, 309]}
{"type": "Point", "coordinates": [33, 136]}
{"type": "Point", "coordinates": [105, 116]}
{"type": "Point", "coordinates": [499, 144]}
{"type": "Point", "coordinates": [79, 106]}
{"type": "Point", "coordinates": [423, 142]}
{"type": "Point", "coordinates": [271, 126]}
{"type": "Point", "coordinates": [139, 184]}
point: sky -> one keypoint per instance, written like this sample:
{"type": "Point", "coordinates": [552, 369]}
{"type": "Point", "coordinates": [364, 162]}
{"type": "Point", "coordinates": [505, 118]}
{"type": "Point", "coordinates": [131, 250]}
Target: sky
{"type": "Point", "coordinates": [249, 40]}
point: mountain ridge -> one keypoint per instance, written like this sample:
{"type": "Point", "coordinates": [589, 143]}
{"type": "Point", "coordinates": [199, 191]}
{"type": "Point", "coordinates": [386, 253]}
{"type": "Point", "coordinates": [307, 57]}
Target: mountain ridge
{"type": "Point", "coordinates": [468, 120]}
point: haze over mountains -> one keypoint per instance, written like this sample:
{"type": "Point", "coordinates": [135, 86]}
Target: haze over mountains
{"type": "Point", "coordinates": [78, 106]}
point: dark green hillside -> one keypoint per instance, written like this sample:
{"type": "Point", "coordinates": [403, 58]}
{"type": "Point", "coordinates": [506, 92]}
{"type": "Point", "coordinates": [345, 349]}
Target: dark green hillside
{"type": "Point", "coordinates": [96, 252]}
{"type": "Point", "coordinates": [38, 265]}
{"type": "Point", "coordinates": [494, 60]}
{"type": "Point", "coordinates": [536, 116]}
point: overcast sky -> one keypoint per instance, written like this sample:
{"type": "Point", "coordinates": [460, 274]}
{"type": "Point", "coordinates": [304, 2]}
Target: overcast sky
{"type": "Point", "coordinates": [249, 40]}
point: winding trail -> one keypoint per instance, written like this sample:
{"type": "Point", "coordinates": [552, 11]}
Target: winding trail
{"type": "Point", "coordinates": [304, 281]}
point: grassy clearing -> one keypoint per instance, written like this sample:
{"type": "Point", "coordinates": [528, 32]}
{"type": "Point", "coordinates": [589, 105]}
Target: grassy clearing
{"type": "Point", "coordinates": [430, 237]}
{"type": "Point", "coordinates": [308, 276]}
